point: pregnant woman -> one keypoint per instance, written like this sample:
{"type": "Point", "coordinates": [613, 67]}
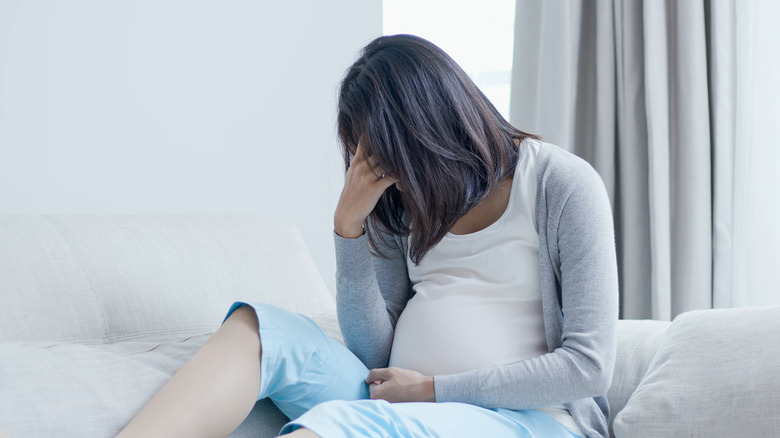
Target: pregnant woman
{"type": "Point", "coordinates": [476, 279]}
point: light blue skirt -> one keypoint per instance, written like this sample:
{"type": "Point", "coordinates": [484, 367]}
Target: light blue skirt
{"type": "Point", "coordinates": [319, 384]}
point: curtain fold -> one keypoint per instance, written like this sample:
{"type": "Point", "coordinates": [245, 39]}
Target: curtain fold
{"type": "Point", "coordinates": [632, 210]}
{"type": "Point", "coordinates": [643, 91]}
{"type": "Point", "coordinates": [721, 49]}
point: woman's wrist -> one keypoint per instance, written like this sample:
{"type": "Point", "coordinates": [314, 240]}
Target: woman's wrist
{"type": "Point", "coordinates": [348, 230]}
{"type": "Point", "coordinates": [348, 234]}
{"type": "Point", "coordinates": [430, 389]}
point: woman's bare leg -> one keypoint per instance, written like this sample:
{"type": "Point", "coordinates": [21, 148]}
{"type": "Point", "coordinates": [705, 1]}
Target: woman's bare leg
{"type": "Point", "coordinates": [213, 392]}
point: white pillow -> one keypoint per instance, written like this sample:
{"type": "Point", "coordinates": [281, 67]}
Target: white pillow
{"type": "Point", "coordinates": [717, 373]}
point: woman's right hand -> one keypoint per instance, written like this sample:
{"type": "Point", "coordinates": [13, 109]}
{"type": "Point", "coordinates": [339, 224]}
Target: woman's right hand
{"type": "Point", "coordinates": [362, 190]}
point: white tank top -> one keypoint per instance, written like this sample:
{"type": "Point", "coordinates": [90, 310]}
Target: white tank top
{"type": "Point", "coordinates": [478, 298]}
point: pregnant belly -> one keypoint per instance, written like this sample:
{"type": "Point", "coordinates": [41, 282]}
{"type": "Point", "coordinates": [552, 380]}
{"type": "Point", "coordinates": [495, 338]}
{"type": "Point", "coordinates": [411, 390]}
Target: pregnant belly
{"type": "Point", "coordinates": [460, 332]}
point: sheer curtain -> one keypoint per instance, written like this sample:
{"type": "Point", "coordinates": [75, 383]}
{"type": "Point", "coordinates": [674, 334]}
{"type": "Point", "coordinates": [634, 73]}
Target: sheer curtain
{"type": "Point", "coordinates": [755, 258]}
{"type": "Point", "coordinates": [661, 98]}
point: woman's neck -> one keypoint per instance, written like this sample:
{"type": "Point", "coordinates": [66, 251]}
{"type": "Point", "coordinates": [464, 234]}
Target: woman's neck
{"type": "Point", "coordinates": [487, 211]}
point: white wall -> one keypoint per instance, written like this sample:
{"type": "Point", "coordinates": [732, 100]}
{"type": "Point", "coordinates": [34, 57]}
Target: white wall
{"type": "Point", "coordinates": [171, 106]}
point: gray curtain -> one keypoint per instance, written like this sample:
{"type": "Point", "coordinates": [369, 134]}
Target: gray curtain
{"type": "Point", "coordinates": [643, 90]}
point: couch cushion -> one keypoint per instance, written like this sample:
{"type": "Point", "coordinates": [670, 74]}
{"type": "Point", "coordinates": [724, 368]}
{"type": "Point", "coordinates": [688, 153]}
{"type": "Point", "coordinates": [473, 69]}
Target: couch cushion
{"type": "Point", "coordinates": [76, 390]}
{"type": "Point", "coordinates": [637, 342]}
{"type": "Point", "coordinates": [715, 374]}
{"type": "Point", "coordinates": [94, 390]}
{"type": "Point", "coordinates": [41, 281]}
{"type": "Point", "coordinates": [104, 278]}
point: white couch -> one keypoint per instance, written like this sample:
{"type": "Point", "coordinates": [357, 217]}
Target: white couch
{"type": "Point", "coordinates": [99, 311]}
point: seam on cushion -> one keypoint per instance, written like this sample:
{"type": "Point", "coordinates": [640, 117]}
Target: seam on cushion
{"type": "Point", "coordinates": [159, 343]}
{"type": "Point", "coordinates": [106, 336]}
{"type": "Point", "coordinates": [189, 331]}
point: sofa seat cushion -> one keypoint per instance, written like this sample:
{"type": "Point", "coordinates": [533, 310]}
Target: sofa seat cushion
{"type": "Point", "coordinates": [75, 390]}
{"type": "Point", "coordinates": [78, 390]}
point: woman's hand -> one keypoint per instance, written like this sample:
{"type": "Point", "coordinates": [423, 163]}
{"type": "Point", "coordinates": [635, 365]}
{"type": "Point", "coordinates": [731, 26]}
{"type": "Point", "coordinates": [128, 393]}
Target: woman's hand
{"type": "Point", "coordinates": [362, 190]}
{"type": "Point", "coordinates": [400, 385]}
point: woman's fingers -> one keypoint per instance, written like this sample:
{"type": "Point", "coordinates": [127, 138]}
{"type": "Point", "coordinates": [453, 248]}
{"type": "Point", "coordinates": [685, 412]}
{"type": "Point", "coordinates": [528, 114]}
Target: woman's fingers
{"type": "Point", "coordinates": [361, 162]}
{"type": "Point", "coordinates": [400, 385]}
{"type": "Point", "coordinates": [364, 184]}
{"type": "Point", "coordinates": [377, 375]}
{"type": "Point", "coordinates": [360, 154]}
{"type": "Point", "coordinates": [373, 167]}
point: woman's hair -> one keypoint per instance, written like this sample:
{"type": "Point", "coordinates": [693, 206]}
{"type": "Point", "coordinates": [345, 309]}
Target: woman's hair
{"type": "Point", "coordinates": [425, 123]}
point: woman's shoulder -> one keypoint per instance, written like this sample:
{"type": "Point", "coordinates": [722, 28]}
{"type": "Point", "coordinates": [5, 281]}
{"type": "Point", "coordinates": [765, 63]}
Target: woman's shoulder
{"type": "Point", "coordinates": [564, 179]}
{"type": "Point", "coordinates": [559, 171]}
{"type": "Point", "coordinates": [556, 162]}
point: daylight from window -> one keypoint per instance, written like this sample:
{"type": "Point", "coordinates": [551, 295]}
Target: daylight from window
{"type": "Point", "coordinates": [478, 35]}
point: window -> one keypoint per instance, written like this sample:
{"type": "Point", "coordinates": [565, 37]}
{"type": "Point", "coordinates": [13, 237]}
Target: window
{"type": "Point", "coordinates": [478, 35]}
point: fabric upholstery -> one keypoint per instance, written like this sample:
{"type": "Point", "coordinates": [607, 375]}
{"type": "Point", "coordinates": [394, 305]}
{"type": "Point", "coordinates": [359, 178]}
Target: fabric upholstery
{"type": "Point", "coordinates": [715, 374]}
{"type": "Point", "coordinates": [93, 390]}
{"type": "Point", "coordinates": [98, 312]}
{"type": "Point", "coordinates": [42, 283]}
{"type": "Point", "coordinates": [96, 279]}
{"type": "Point", "coordinates": [637, 341]}
{"type": "Point", "coordinates": [78, 390]}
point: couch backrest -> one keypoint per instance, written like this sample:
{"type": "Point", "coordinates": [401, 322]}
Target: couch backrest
{"type": "Point", "coordinates": [104, 278]}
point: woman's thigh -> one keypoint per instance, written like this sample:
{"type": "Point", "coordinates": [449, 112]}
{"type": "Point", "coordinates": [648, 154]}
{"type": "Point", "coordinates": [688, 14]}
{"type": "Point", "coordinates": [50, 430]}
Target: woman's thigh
{"type": "Point", "coordinates": [301, 366]}
{"type": "Point", "coordinates": [378, 418]}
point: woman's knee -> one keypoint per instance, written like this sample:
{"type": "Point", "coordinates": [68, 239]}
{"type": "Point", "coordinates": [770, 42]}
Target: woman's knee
{"type": "Point", "coordinates": [244, 316]}
{"type": "Point", "coordinates": [241, 325]}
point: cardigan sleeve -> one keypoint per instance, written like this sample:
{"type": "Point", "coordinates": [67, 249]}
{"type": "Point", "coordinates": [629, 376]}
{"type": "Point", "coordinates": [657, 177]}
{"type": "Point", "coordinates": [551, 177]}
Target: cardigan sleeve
{"type": "Point", "coordinates": [371, 293]}
{"type": "Point", "coordinates": [582, 366]}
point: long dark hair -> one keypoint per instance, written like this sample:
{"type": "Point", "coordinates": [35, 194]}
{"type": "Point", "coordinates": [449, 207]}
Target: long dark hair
{"type": "Point", "coordinates": [419, 115]}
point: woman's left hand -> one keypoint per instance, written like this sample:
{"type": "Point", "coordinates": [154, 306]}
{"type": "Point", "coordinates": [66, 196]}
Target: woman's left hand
{"type": "Point", "coordinates": [400, 385]}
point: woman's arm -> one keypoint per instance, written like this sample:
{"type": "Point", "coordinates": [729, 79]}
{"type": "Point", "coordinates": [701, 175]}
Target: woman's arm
{"type": "Point", "coordinates": [371, 293]}
{"type": "Point", "coordinates": [582, 366]}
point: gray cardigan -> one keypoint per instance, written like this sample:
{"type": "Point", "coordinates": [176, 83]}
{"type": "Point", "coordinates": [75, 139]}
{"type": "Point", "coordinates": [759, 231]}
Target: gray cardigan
{"type": "Point", "coordinates": [579, 298]}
